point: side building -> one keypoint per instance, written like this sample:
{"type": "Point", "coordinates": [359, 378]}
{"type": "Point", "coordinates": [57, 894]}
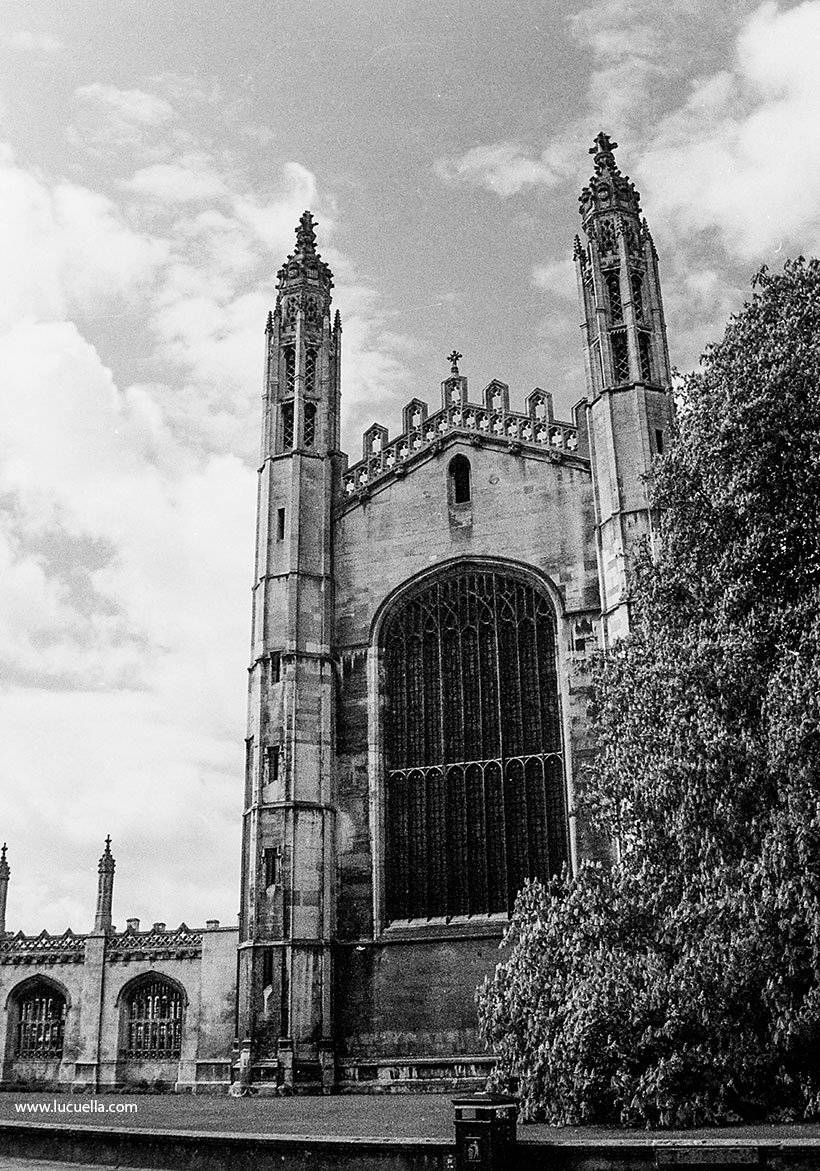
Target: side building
{"type": "Point", "coordinates": [133, 1009]}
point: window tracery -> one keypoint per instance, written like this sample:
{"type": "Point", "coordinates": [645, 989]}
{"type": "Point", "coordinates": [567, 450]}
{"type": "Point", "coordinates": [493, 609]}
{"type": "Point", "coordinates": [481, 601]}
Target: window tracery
{"type": "Point", "coordinates": [290, 369]}
{"type": "Point", "coordinates": [613, 286]}
{"type": "Point", "coordinates": [620, 355]}
{"type": "Point", "coordinates": [154, 1022]}
{"type": "Point", "coordinates": [475, 782]}
{"type": "Point", "coordinates": [310, 370]}
{"type": "Point", "coordinates": [41, 1027]}
{"type": "Point", "coordinates": [644, 357]}
{"type": "Point", "coordinates": [310, 424]}
{"type": "Point", "coordinates": [287, 425]}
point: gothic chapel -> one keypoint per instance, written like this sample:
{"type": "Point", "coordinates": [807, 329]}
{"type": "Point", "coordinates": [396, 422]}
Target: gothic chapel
{"type": "Point", "coordinates": [416, 714]}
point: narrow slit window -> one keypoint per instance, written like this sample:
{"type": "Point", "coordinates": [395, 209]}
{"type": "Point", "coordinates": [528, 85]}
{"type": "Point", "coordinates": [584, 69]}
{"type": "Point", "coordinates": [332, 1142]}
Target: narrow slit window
{"type": "Point", "coordinates": [275, 667]}
{"type": "Point", "coordinates": [280, 524]}
{"type": "Point", "coordinates": [273, 763]}
{"type": "Point", "coordinates": [272, 860]}
{"type": "Point", "coordinates": [644, 355]}
{"type": "Point", "coordinates": [659, 441]}
{"type": "Point", "coordinates": [267, 966]}
{"type": "Point", "coordinates": [310, 425]}
{"type": "Point", "coordinates": [460, 490]}
{"type": "Point", "coordinates": [637, 295]}
{"type": "Point", "coordinates": [287, 426]}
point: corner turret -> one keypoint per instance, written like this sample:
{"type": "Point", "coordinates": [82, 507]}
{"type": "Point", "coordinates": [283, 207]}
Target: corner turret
{"type": "Point", "coordinates": [629, 400]}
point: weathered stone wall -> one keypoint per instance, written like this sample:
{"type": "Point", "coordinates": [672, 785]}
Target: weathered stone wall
{"type": "Point", "coordinates": [414, 996]}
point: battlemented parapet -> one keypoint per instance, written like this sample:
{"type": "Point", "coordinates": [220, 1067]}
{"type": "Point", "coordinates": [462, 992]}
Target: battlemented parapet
{"type": "Point", "coordinates": [489, 421]}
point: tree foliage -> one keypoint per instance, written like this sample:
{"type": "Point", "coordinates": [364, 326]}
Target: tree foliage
{"type": "Point", "coordinates": [679, 985]}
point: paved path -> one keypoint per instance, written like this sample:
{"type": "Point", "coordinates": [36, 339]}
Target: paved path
{"type": "Point", "coordinates": [362, 1116]}
{"type": "Point", "coordinates": [8, 1163]}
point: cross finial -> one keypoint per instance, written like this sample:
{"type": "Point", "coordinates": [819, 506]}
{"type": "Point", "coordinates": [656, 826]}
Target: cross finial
{"type": "Point", "coordinates": [108, 844]}
{"type": "Point", "coordinates": [306, 235]}
{"type": "Point", "coordinates": [603, 144]}
{"type": "Point", "coordinates": [454, 358]}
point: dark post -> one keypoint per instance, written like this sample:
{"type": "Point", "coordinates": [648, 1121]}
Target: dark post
{"type": "Point", "coordinates": [485, 1132]}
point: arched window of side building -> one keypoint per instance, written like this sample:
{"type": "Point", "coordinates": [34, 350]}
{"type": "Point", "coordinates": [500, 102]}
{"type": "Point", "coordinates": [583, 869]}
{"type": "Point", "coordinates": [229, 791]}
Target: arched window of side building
{"type": "Point", "coordinates": [474, 785]}
{"type": "Point", "coordinates": [41, 1022]}
{"type": "Point", "coordinates": [152, 1028]}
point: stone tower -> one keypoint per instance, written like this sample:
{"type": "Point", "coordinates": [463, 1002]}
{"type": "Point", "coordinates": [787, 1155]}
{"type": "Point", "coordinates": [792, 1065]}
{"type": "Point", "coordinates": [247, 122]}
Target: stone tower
{"type": "Point", "coordinates": [629, 401]}
{"type": "Point", "coordinates": [288, 894]}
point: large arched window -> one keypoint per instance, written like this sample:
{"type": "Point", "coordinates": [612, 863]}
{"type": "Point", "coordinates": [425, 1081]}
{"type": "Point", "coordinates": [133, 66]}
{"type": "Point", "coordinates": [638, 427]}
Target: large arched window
{"type": "Point", "coordinates": [474, 769]}
{"type": "Point", "coordinates": [153, 1020]}
{"type": "Point", "coordinates": [41, 1022]}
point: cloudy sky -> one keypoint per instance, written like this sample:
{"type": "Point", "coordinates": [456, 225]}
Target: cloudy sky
{"type": "Point", "coordinates": [154, 160]}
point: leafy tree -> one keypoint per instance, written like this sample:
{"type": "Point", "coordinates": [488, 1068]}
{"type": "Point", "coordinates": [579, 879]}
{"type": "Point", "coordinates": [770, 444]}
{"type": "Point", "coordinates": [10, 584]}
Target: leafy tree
{"type": "Point", "coordinates": [679, 985]}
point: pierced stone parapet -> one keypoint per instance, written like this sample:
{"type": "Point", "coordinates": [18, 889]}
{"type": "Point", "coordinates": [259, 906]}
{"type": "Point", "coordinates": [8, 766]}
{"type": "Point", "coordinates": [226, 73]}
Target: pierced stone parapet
{"type": "Point", "coordinates": [156, 944]}
{"type": "Point", "coordinates": [424, 432]}
{"type": "Point", "coordinates": [44, 948]}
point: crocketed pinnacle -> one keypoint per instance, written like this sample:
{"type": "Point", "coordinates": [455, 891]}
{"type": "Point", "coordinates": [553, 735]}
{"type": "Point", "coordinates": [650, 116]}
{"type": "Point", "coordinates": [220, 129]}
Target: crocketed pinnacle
{"type": "Point", "coordinates": [5, 870]}
{"type": "Point", "coordinates": [107, 862]}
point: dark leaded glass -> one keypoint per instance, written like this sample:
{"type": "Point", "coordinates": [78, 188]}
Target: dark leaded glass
{"type": "Point", "coordinates": [154, 1022]}
{"type": "Point", "coordinates": [474, 789]}
{"type": "Point", "coordinates": [42, 1025]}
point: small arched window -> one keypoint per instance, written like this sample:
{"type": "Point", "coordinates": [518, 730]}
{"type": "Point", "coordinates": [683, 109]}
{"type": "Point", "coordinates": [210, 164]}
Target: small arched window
{"type": "Point", "coordinates": [310, 424]}
{"type": "Point", "coordinates": [310, 371]}
{"type": "Point", "coordinates": [154, 1012]}
{"type": "Point", "coordinates": [41, 1025]}
{"type": "Point", "coordinates": [460, 492]}
{"type": "Point", "coordinates": [290, 370]}
{"type": "Point", "coordinates": [287, 425]}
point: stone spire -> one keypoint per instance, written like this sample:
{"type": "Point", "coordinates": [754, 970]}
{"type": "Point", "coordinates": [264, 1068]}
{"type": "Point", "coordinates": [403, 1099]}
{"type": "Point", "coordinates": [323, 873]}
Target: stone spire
{"type": "Point", "coordinates": [105, 889]}
{"type": "Point", "coordinates": [5, 874]}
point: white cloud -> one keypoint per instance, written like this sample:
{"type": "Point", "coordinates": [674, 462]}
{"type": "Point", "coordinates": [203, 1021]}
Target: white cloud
{"type": "Point", "coordinates": [505, 168]}
{"type": "Point", "coordinates": [65, 247]}
{"type": "Point", "coordinates": [129, 119]}
{"type": "Point", "coordinates": [557, 278]}
{"type": "Point", "coordinates": [742, 157]}
{"type": "Point", "coordinates": [190, 179]}
{"type": "Point", "coordinates": [126, 106]}
{"type": "Point", "coordinates": [31, 42]}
